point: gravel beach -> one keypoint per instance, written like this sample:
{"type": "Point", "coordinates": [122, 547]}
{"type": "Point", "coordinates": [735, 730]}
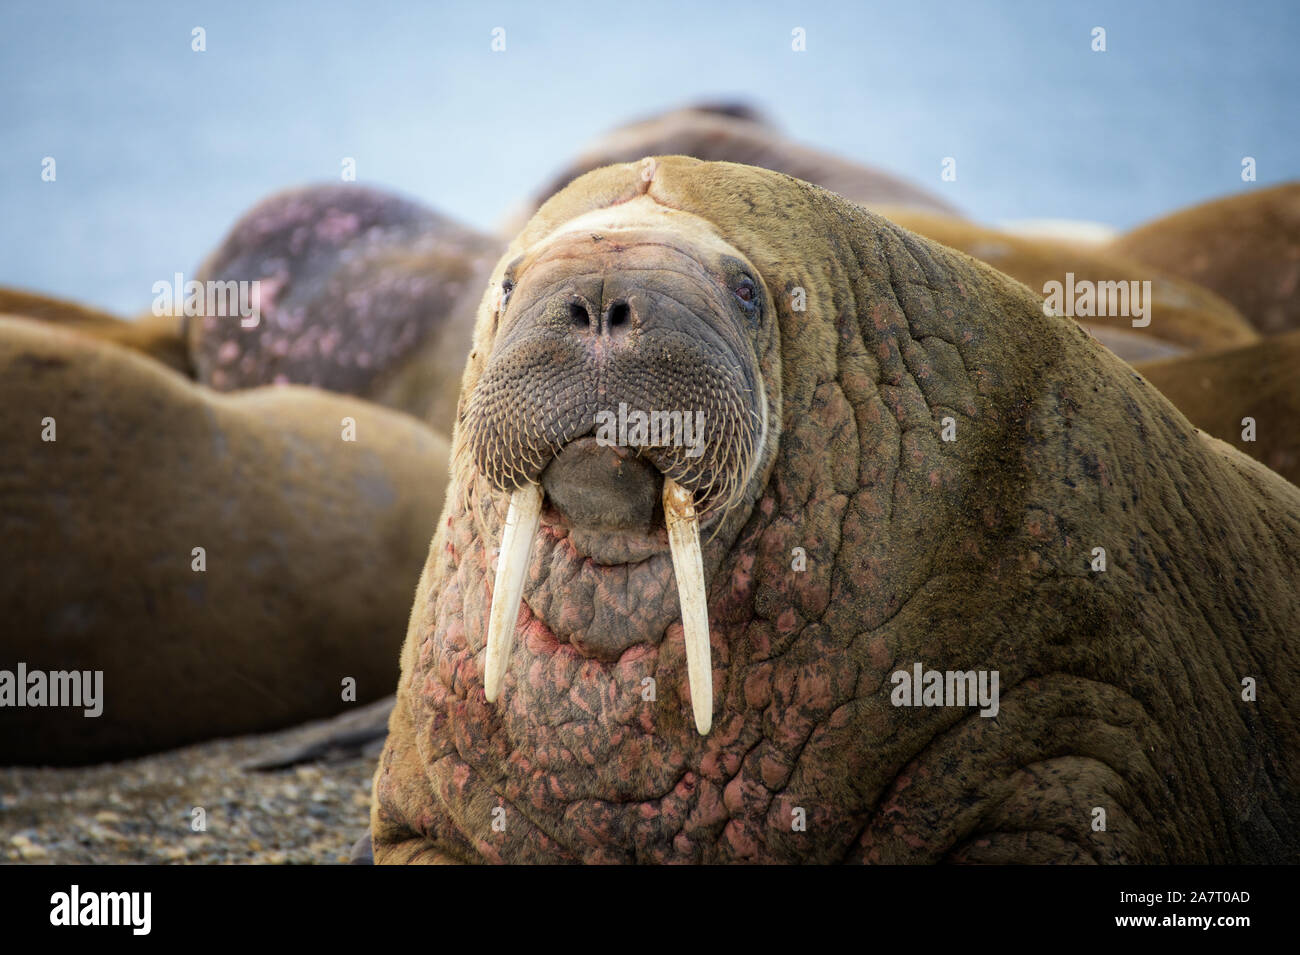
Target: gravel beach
{"type": "Point", "coordinates": [141, 811]}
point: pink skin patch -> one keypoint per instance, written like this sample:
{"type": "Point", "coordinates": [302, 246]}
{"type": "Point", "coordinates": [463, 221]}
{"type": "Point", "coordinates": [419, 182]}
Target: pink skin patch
{"type": "Point", "coordinates": [337, 226]}
{"type": "Point", "coordinates": [265, 291]}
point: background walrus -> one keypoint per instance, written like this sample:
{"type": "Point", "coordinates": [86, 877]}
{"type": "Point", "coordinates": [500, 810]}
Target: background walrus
{"type": "Point", "coordinates": [158, 336]}
{"type": "Point", "coordinates": [735, 133]}
{"type": "Point", "coordinates": [844, 541]}
{"type": "Point", "coordinates": [1219, 391]}
{"type": "Point", "coordinates": [361, 291]}
{"type": "Point", "coordinates": [1244, 247]}
{"type": "Point", "coordinates": [311, 545]}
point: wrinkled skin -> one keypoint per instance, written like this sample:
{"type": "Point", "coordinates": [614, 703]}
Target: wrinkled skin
{"type": "Point", "coordinates": [1119, 690]}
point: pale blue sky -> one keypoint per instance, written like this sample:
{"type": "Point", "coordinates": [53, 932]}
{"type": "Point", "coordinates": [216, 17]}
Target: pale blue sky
{"type": "Point", "coordinates": [159, 148]}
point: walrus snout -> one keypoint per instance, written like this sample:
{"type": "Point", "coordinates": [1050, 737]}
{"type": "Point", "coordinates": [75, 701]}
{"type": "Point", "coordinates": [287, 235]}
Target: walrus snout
{"type": "Point", "coordinates": [620, 306]}
{"type": "Point", "coordinates": [637, 338]}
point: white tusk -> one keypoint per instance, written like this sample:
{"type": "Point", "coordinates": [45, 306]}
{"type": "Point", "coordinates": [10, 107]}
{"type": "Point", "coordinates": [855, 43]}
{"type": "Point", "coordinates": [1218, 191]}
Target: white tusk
{"type": "Point", "coordinates": [516, 544]}
{"type": "Point", "coordinates": [688, 566]}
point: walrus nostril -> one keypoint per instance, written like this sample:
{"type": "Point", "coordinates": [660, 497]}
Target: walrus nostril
{"type": "Point", "coordinates": [578, 315]}
{"type": "Point", "coordinates": [618, 315]}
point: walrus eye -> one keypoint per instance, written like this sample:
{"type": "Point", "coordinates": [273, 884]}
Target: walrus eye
{"type": "Point", "coordinates": [507, 286]}
{"type": "Point", "coordinates": [747, 292]}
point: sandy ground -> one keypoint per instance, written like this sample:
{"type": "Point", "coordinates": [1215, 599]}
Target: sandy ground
{"type": "Point", "coordinates": [141, 811]}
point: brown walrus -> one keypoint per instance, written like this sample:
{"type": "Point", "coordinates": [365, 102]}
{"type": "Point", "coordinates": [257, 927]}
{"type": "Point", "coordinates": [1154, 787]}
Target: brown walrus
{"type": "Point", "coordinates": [159, 337]}
{"type": "Point", "coordinates": [116, 469]}
{"type": "Point", "coordinates": [1219, 391]}
{"type": "Point", "coordinates": [1182, 317]}
{"type": "Point", "coordinates": [360, 291]}
{"type": "Point", "coordinates": [1245, 247]}
{"type": "Point", "coordinates": [906, 466]}
{"type": "Point", "coordinates": [735, 133]}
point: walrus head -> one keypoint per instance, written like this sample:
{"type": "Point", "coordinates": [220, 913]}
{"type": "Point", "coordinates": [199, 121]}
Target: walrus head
{"type": "Point", "coordinates": [623, 406]}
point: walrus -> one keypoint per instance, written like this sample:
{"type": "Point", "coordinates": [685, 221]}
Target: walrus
{"type": "Point", "coordinates": [906, 464]}
{"type": "Point", "coordinates": [1245, 247]}
{"type": "Point", "coordinates": [312, 511]}
{"type": "Point", "coordinates": [1182, 317]}
{"type": "Point", "coordinates": [735, 132]}
{"type": "Point", "coordinates": [1248, 397]}
{"type": "Point", "coordinates": [360, 291]}
{"type": "Point", "coordinates": [158, 336]}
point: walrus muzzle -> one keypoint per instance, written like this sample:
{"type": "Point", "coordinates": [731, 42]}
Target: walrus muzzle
{"type": "Point", "coordinates": [623, 389]}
